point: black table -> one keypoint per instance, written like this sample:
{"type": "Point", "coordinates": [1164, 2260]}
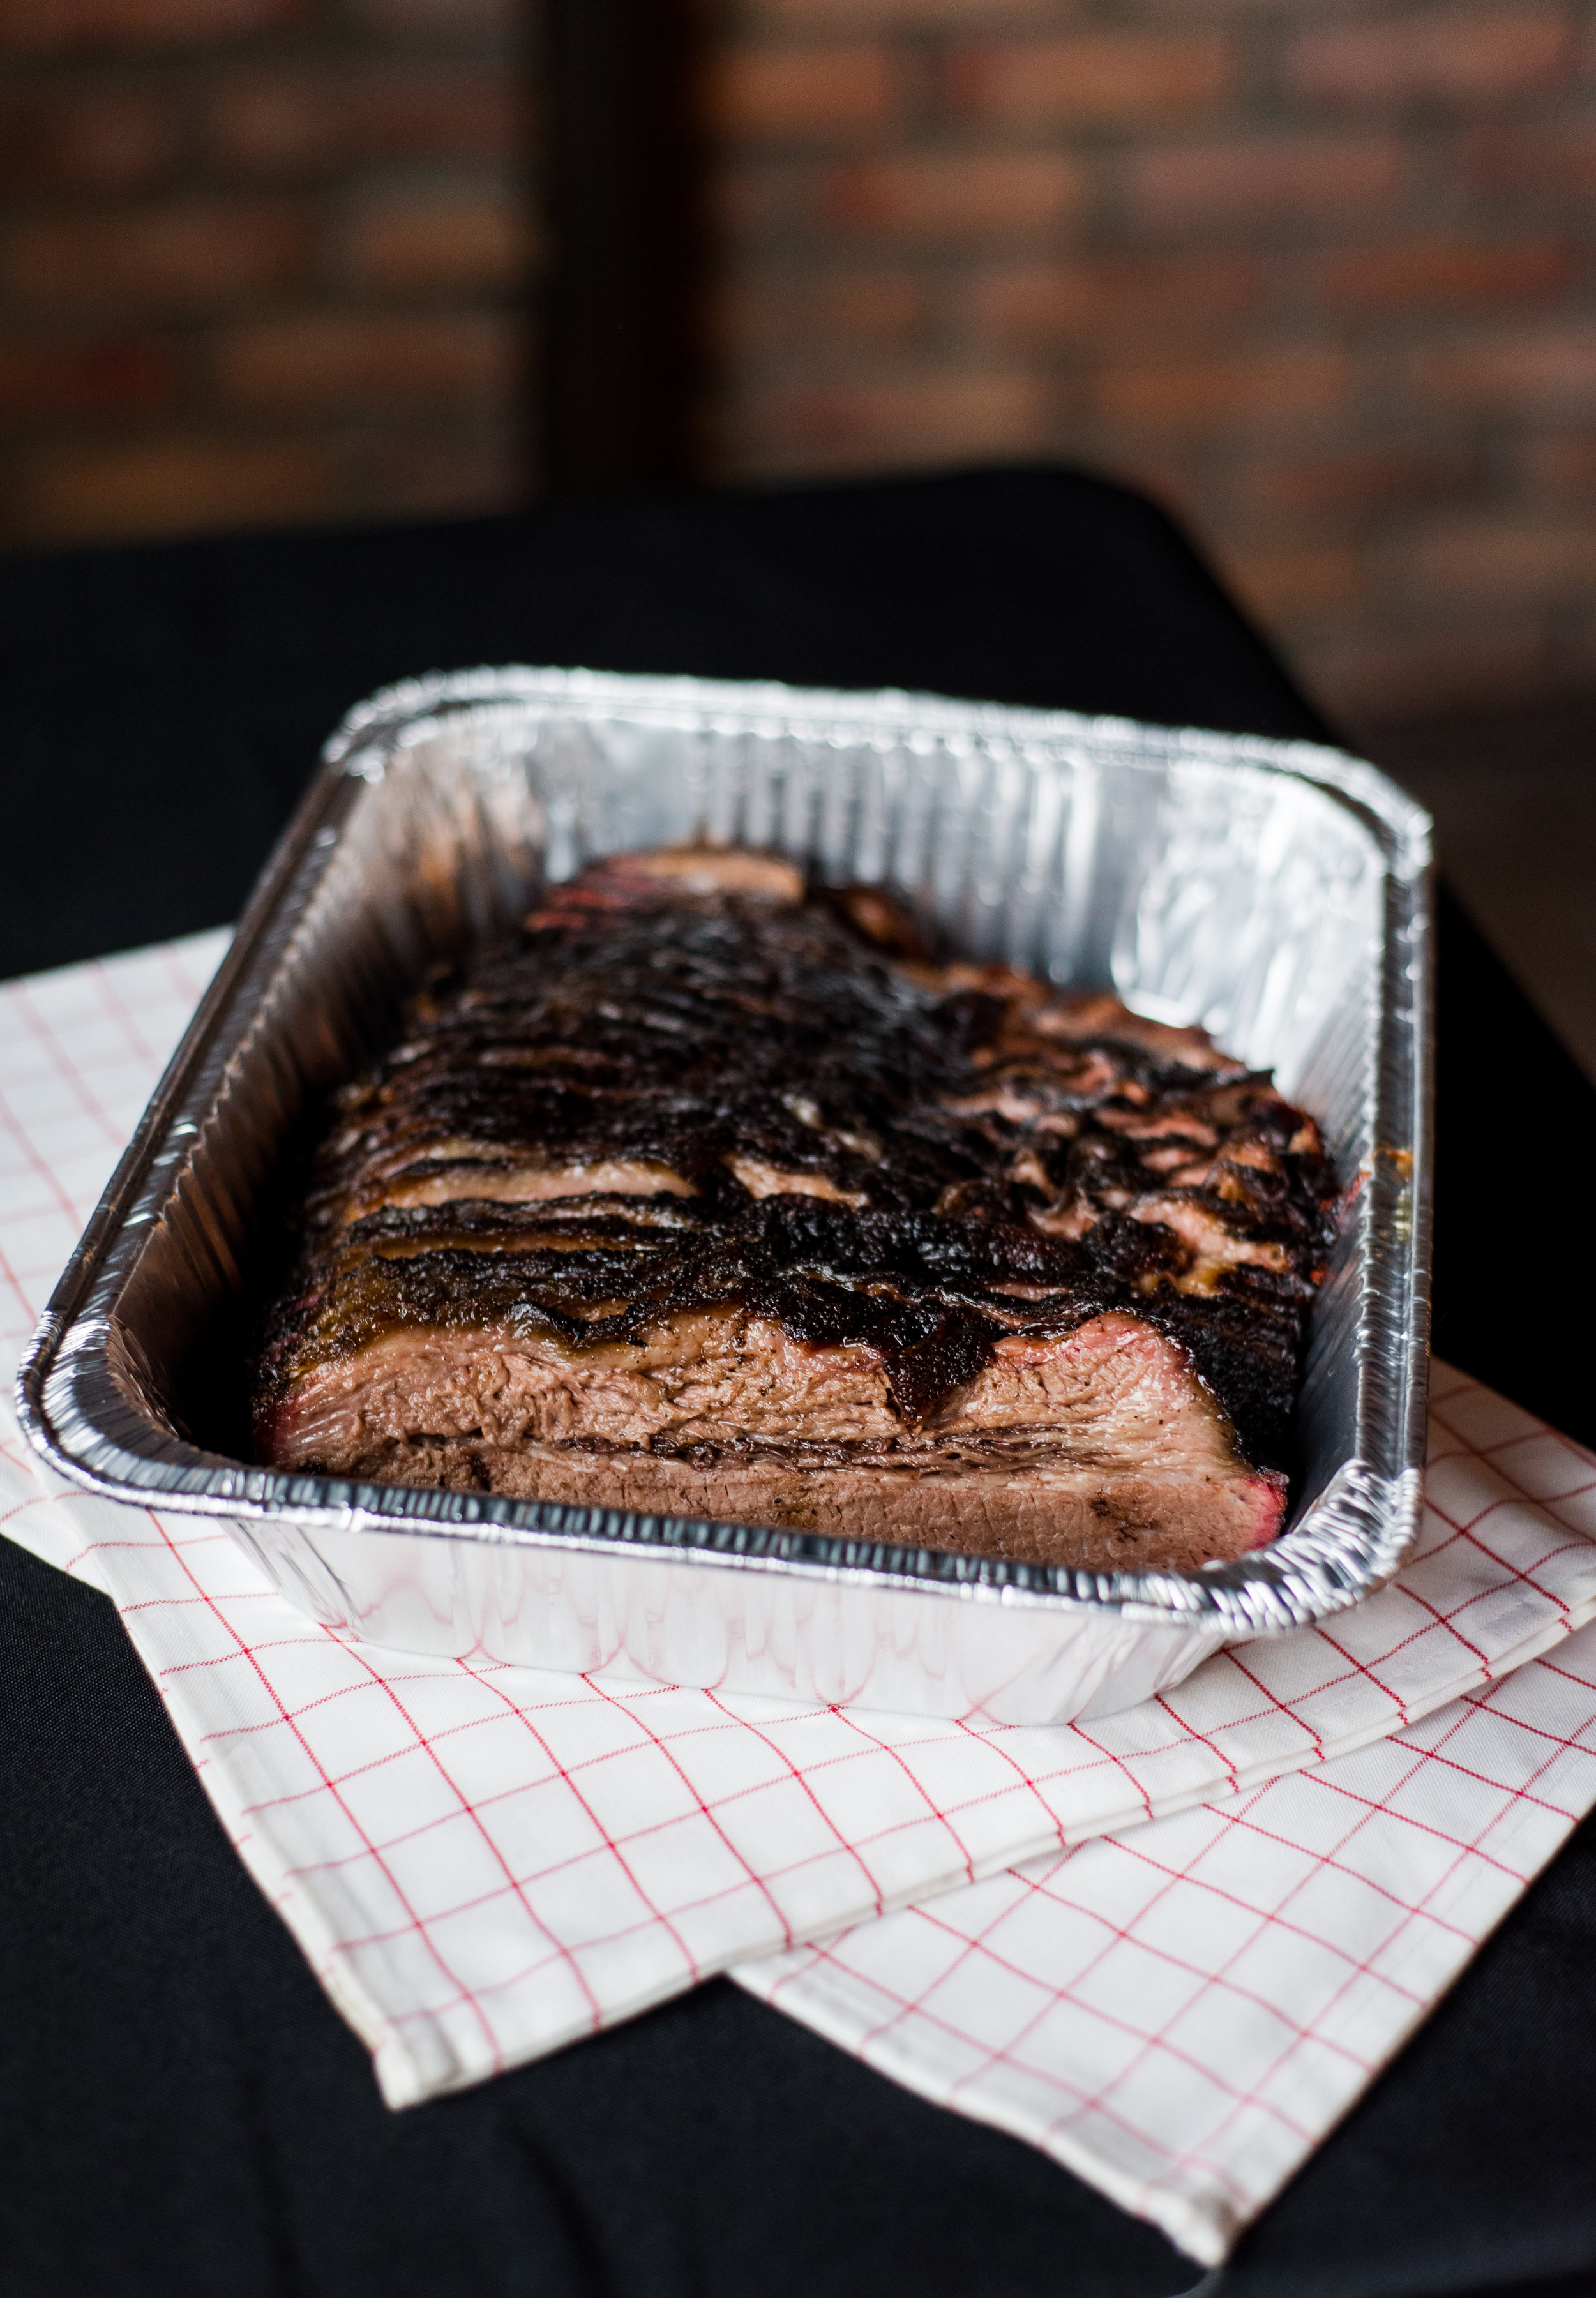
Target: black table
{"type": "Point", "coordinates": [182, 2113]}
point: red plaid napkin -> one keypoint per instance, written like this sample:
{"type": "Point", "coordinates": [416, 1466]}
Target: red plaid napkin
{"type": "Point", "coordinates": [1170, 1947]}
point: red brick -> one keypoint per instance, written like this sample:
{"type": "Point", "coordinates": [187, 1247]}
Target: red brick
{"type": "Point", "coordinates": [1262, 182]}
{"type": "Point", "coordinates": [899, 422]}
{"type": "Point", "coordinates": [314, 122]}
{"type": "Point", "coordinates": [1440, 57]}
{"type": "Point", "coordinates": [1357, 481]}
{"type": "Point", "coordinates": [1563, 466]}
{"type": "Point", "coordinates": [416, 474]}
{"type": "Point", "coordinates": [1545, 155]}
{"type": "Point", "coordinates": [1372, 675]}
{"type": "Point", "coordinates": [192, 256]}
{"type": "Point", "coordinates": [102, 141]}
{"type": "Point", "coordinates": [1419, 273]}
{"type": "Point", "coordinates": [835, 314]}
{"type": "Point", "coordinates": [42, 27]}
{"type": "Point", "coordinates": [1263, 386]}
{"type": "Point", "coordinates": [893, 424]}
{"type": "Point", "coordinates": [82, 492]}
{"type": "Point", "coordinates": [1044, 306]}
{"type": "Point", "coordinates": [370, 360]}
{"type": "Point", "coordinates": [448, 19]}
{"type": "Point", "coordinates": [1547, 366]}
{"type": "Point", "coordinates": [112, 377]}
{"type": "Point", "coordinates": [1089, 78]}
{"type": "Point", "coordinates": [798, 95]}
{"type": "Point", "coordinates": [853, 16]}
{"type": "Point", "coordinates": [1508, 558]}
{"type": "Point", "coordinates": [464, 236]}
{"type": "Point", "coordinates": [1291, 582]}
{"type": "Point", "coordinates": [953, 199]}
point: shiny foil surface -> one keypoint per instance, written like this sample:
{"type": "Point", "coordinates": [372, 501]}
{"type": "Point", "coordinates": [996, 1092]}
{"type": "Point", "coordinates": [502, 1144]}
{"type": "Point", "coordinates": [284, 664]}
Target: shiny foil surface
{"type": "Point", "coordinates": [1276, 893]}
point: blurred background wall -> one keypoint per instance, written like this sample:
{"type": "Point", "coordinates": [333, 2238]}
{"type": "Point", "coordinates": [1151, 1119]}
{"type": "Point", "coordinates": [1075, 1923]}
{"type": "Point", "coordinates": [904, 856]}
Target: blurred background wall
{"type": "Point", "coordinates": [1321, 273]}
{"type": "Point", "coordinates": [262, 262]}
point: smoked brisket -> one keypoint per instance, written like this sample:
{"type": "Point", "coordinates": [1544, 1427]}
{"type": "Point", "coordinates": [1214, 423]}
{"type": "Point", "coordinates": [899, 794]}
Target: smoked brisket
{"type": "Point", "coordinates": [720, 1195]}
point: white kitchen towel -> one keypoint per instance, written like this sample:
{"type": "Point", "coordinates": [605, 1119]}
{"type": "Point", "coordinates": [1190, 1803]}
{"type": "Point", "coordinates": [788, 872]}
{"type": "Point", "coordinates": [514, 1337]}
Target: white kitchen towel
{"type": "Point", "coordinates": [483, 1862]}
{"type": "Point", "coordinates": [1181, 2011]}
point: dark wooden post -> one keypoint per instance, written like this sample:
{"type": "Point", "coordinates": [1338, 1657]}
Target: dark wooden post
{"type": "Point", "coordinates": [621, 360]}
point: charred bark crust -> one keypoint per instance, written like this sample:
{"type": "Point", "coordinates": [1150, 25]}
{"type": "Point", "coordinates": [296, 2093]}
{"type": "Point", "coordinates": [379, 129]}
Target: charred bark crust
{"type": "Point", "coordinates": [811, 1119]}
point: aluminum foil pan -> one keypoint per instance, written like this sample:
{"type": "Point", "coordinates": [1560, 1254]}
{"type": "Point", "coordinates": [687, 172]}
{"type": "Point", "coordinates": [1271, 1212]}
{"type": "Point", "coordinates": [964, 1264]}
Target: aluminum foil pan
{"type": "Point", "coordinates": [1274, 892]}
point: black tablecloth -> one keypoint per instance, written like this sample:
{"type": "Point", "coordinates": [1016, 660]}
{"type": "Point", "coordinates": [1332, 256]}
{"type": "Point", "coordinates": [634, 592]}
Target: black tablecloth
{"type": "Point", "coordinates": [181, 2112]}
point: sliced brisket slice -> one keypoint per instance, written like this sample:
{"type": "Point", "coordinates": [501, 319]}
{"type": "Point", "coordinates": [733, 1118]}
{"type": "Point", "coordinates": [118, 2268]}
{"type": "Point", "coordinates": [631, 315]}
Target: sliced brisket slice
{"type": "Point", "coordinates": [718, 1196]}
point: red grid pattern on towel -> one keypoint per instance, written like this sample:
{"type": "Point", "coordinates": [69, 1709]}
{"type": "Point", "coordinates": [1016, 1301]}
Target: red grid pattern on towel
{"type": "Point", "coordinates": [482, 1862]}
{"type": "Point", "coordinates": [1180, 2012]}
{"type": "Point", "coordinates": [80, 1051]}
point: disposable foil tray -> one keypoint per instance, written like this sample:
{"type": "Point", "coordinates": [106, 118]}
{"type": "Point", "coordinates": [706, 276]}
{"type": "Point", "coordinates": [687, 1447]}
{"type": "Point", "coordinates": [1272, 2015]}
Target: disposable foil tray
{"type": "Point", "coordinates": [1274, 892]}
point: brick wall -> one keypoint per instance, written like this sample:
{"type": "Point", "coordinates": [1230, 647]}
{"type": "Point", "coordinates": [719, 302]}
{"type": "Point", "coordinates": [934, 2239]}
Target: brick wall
{"type": "Point", "coordinates": [261, 261]}
{"type": "Point", "coordinates": [1320, 274]}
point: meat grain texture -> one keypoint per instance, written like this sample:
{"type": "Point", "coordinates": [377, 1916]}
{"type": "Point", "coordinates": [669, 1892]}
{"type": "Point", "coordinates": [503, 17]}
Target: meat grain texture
{"type": "Point", "coordinates": [716, 1195]}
